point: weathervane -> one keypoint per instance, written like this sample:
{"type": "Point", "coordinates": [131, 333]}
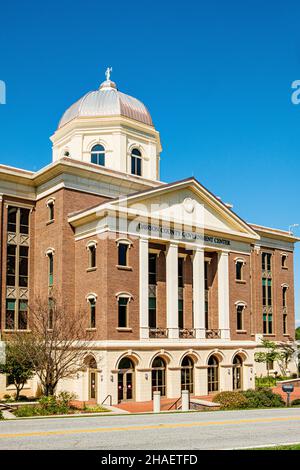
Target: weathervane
{"type": "Point", "coordinates": [107, 73]}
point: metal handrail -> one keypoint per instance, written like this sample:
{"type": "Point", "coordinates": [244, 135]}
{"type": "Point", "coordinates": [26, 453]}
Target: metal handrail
{"type": "Point", "coordinates": [110, 400]}
{"type": "Point", "coordinates": [175, 404]}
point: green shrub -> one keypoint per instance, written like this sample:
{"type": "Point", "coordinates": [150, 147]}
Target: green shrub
{"type": "Point", "coordinates": [263, 398]}
{"type": "Point", "coordinates": [51, 405]}
{"type": "Point", "coordinates": [296, 402]}
{"type": "Point", "coordinates": [231, 400]}
{"type": "Point", "coordinates": [1, 415]}
{"type": "Point", "coordinates": [27, 411]}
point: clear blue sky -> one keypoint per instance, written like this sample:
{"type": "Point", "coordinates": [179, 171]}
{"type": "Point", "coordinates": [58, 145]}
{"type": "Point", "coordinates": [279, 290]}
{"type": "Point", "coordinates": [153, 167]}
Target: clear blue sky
{"type": "Point", "coordinates": [215, 75]}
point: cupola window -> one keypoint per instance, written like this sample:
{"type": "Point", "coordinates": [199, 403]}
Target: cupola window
{"type": "Point", "coordinates": [98, 155]}
{"type": "Point", "coordinates": [136, 162]}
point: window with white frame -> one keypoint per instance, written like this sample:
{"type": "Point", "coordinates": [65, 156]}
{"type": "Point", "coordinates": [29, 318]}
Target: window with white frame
{"type": "Point", "coordinates": [92, 258]}
{"type": "Point", "coordinates": [240, 323]}
{"type": "Point", "coordinates": [98, 155]}
{"type": "Point", "coordinates": [136, 162]}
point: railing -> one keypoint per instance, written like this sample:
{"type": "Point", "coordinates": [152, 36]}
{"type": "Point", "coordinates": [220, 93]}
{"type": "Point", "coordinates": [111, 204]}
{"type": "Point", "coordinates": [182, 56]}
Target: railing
{"type": "Point", "coordinates": [187, 333]}
{"type": "Point", "coordinates": [213, 334]}
{"type": "Point", "coordinates": [158, 332]}
{"type": "Point", "coordinates": [110, 400]}
{"type": "Point", "coordinates": [176, 404]}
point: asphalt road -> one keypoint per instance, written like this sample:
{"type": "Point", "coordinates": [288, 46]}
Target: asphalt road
{"type": "Point", "coordinates": [191, 431]}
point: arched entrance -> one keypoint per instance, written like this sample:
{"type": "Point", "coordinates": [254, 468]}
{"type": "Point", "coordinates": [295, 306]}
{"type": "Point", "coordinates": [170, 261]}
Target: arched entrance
{"type": "Point", "coordinates": [159, 376]}
{"type": "Point", "coordinates": [187, 374]}
{"type": "Point", "coordinates": [92, 378]}
{"type": "Point", "coordinates": [126, 380]}
{"type": "Point", "coordinates": [237, 373]}
{"type": "Point", "coordinates": [213, 374]}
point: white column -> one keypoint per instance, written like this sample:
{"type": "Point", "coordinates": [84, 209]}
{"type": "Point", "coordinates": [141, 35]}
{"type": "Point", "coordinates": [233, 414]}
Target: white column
{"type": "Point", "coordinates": [144, 288]}
{"type": "Point", "coordinates": [223, 295]}
{"type": "Point", "coordinates": [172, 289]}
{"type": "Point", "coordinates": [199, 293]}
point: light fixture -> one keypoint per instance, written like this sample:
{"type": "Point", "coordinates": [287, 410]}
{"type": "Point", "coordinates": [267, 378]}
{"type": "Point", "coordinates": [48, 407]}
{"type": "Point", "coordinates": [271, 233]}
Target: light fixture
{"type": "Point", "coordinates": [146, 376]}
{"type": "Point", "coordinates": [111, 378]}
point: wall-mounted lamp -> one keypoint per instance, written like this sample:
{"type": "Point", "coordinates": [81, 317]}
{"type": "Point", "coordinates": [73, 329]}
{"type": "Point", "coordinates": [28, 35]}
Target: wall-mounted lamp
{"type": "Point", "coordinates": [228, 371]}
{"type": "Point", "coordinates": [111, 378]}
{"type": "Point", "coordinates": [146, 376]}
{"type": "Point", "coordinates": [101, 378]}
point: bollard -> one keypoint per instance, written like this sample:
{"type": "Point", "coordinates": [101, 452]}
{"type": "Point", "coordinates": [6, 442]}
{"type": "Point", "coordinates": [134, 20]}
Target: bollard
{"type": "Point", "coordinates": [156, 402]}
{"type": "Point", "coordinates": [185, 400]}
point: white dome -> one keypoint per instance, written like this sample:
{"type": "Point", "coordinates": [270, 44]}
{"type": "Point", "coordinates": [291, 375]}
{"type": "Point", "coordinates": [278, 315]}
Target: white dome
{"type": "Point", "coordinates": [107, 101]}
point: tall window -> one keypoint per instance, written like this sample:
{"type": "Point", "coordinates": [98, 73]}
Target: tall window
{"type": "Point", "coordinates": [187, 374]}
{"type": "Point", "coordinates": [267, 301]}
{"type": "Point", "coordinates": [152, 312]}
{"type": "Point", "coordinates": [152, 268]}
{"type": "Point", "coordinates": [10, 314]}
{"type": "Point", "coordinates": [180, 314]}
{"type": "Point", "coordinates": [239, 270]}
{"type": "Point", "coordinates": [50, 269]}
{"type": "Point", "coordinates": [159, 376]}
{"type": "Point", "coordinates": [50, 313]}
{"type": "Point", "coordinates": [23, 266]}
{"type": "Point", "coordinates": [206, 293]}
{"type": "Point", "coordinates": [92, 256]}
{"type": "Point", "coordinates": [122, 312]}
{"type": "Point", "coordinates": [11, 265]}
{"type": "Point", "coordinates": [180, 272]}
{"type": "Point", "coordinates": [240, 317]}
{"type": "Point", "coordinates": [285, 329]}
{"type": "Point", "coordinates": [136, 162]}
{"type": "Point", "coordinates": [98, 155]}
{"type": "Point", "coordinates": [18, 220]}
{"type": "Point", "coordinates": [283, 261]}
{"type": "Point", "coordinates": [237, 370]}
{"type": "Point", "coordinates": [123, 254]}
{"type": "Point", "coordinates": [284, 296]}
{"type": "Point", "coordinates": [50, 206]}
{"type": "Point", "coordinates": [23, 314]}
{"type": "Point", "coordinates": [92, 306]}
{"type": "Point", "coordinates": [213, 374]}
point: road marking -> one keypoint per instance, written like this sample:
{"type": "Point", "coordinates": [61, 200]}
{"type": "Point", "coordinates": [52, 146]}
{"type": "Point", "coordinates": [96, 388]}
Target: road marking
{"type": "Point", "coordinates": [148, 427]}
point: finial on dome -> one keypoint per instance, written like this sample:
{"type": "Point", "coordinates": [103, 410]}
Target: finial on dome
{"type": "Point", "coordinates": [107, 73]}
{"type": "Point", "coordinates": [108, 84]}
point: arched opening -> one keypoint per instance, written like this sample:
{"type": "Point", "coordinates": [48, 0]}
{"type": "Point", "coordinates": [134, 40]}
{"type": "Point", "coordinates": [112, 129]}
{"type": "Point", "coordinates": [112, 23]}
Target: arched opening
{"type": "Point", "coordinates": [213, 374]}
{"type": "Point", "coordinates": [136, 162]}
{"type": "Point", "coordinates": [91, 365]}
{"type": "Point", "coordinates": [237, 373]}
{"type": "Point", "coordinates": [98, 155]}
{"type": "Point", "coordinates": [187, 374]}
{"type": "Point", "coordinates": [126, 379]}
{"type": "Point", "coordinates": [159, 376]}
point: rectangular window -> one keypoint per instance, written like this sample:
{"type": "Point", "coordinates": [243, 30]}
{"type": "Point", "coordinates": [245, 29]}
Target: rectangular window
{"type": "Point", "coordinates": [92, 256]}
{"type": "Point", "coordinates": [267, 323]}
{"type": "Point", "coordinates": [24, 221]}
{"type": "Point", "coordinates": [123, 304]}
{"type": "Point", "coordinates": [239, 317]}
{"type": "Point", "coordinates": [284, 296]}
{"type": "Point", "coordinates": [239, 270]}
{"type": "Point", "coordinates": [51, 211]}
{"type": "Point", "coordinates": [152, 268]}
{"type": "Point", "coordinates": [266, 261]}
{"type": "Point", "coordinates": [50, 313]}
{"type": "Point", "coordinates": [284, 323]}
{"type": "Point", "coordinates": [180, 272]}
{"type": "Point", "coordinates": [152, 312]}
{"type": "Point", "coordinates": [92, 313]}
{"type": "Point", "coordinates": [12, 219]}
{"type": "Point", "coordinates": [23, 315]}
{"type": "Point", "coordinates": [50, 269]}
{"type": "Point", "coordinates": [180, 314]}
{"type": "Point", "coordinates": [122, 254]}
{"type": "Point", "coordinates": [10, 314]}
{"type": "Point", "coordinates": [136, 166]}
{"type": "Point", "coordinates": [11, 265]}
{"type": "Point", "coordinates": [206, 275]}
{"type": "Point", "coordinates": [23, 266]}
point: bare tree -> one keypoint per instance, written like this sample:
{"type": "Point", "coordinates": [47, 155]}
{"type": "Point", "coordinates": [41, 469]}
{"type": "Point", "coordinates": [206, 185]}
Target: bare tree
{"type": "Point", "coordinates": [56, 344]}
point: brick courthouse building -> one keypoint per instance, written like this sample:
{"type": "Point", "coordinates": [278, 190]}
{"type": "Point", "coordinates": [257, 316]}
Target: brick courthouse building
{"type": "Point", "coordinates": [178, 290]}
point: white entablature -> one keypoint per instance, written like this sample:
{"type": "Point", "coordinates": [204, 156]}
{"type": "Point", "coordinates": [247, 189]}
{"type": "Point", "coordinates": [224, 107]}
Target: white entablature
{"type": "Point", "coordinates": [114, 124]}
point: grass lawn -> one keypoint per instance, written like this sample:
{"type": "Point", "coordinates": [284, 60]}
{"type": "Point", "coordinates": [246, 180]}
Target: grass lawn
{"type": "Point", "coordinates": [288, 447]}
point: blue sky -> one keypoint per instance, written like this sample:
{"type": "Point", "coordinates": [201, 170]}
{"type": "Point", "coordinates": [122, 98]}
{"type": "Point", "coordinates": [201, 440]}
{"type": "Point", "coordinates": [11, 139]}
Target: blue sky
{"type": "Point", "coordinates": [215, 75]}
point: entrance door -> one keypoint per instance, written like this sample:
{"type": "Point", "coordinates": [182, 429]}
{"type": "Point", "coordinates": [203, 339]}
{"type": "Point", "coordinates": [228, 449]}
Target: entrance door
{"type": "Point", "coordinates": [126, 380]}
{"type": "Point", "coordinates": [92, 385]}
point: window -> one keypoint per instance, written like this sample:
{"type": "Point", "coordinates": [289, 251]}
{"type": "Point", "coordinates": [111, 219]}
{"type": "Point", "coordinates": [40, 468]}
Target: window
{"type": "Point", "coordinates": [206, 263]}
{"type": "Point", "coordinates": [10, 314]}
{"type": "Point", "coordinates": [50, 313]}
{"type": "Point", "coordinates": [23, 313]}
{"type": "Point", "coordinates": [267, 292]}
{"type": "Point", "coordinates": [240, 317]}
{"type": "Point", "coordinates": [266, 261]}
{"type": "Point", "coordinates": [180, 272]}
{"type": "Point", "coordinates": [267, 323]}
{"type": "Point", "coordinates": [122, 307]}
{"type": "Point", "coordinates": [136, 162]}
{"type": "Point", "coordinates": [237, 370]}
{"type": "Point", "coordinates": [122, 254]}
{"type": "Point", "coordinates": [51, 210]}
{"type": "Point", "coordinates": [180, 314]}
{"type": "Point", "coordinates": [50, 269]}
{"type": "Point", "coordinates": [23, 266]}
{"type": "Point", "coordinates": [152, 268]}
{"type": "Point", "coordinates": [239, 270]}
{"type": "Point", "coordinates": [12, 219]}
{"type": "Point", "coordinates": [92, 256]}
{"type": "Point", "coordinates": [213, 374]}
{"type": "Point", "coordinates": [159, 376]}
{"type": "Point", "coordinates": [284, 296]}
{"type": "Point", "coordinates": [187, 374]}
{"type": "Point", "coordinates": [284, 323]}
{"type": "Point", "coordinates": [152, 312]}
{"type": "Point", "coordinates": [283, 261]}
{"type": "Point", "coordinates": [11, 265]}
{"type": "Point", "coordinates": [92, 306]}
{"type": "Point", "coordinates": [98, 155]}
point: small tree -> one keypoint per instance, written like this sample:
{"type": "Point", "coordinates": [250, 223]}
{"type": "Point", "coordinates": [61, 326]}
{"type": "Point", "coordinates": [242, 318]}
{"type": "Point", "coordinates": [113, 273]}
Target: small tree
{"type": "Point", "coordinates": [270, 354]}
{"type": "Point", "coordinates": [286, 352]}
{"type": "Point", "coordinates": [17, 367]}
{"type": "Point", "coordinates": [56, 345]}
